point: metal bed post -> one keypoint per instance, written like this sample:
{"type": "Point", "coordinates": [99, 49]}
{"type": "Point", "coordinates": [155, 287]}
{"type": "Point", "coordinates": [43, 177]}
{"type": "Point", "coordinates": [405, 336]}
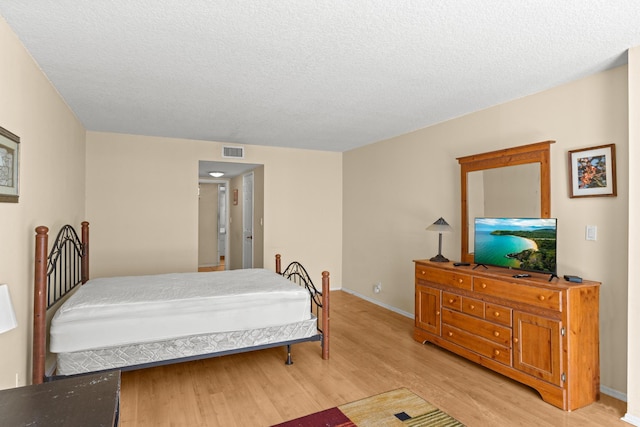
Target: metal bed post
{"type": "Point", "coordinates": [325, 314]}
{"type": "Point", "coordinates": [85, 252]}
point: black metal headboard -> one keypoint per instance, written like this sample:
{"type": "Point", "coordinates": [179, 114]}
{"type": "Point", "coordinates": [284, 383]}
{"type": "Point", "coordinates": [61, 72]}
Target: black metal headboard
{"type": "Point", "coordinates": [64, 268]}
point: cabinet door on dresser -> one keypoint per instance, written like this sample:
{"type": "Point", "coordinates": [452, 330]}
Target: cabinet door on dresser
{"type": "Point", "coordinates": [428, 306]}
{"type": "Point", "coordinates": [537, 346]}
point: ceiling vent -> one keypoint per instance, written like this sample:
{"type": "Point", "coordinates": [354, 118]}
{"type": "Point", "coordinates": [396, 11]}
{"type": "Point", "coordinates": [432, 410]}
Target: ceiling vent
{"type": "Point", "coordinates": [233, 152]}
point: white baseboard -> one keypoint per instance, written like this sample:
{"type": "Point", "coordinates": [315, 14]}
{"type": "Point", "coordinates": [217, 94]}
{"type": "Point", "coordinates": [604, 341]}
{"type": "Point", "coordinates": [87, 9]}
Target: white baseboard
{"type": "Point", "coordinates": [631, 419]}
{"type": "Point", "coordinates": [613, 393]}
{"type": "Point", "coordinates": [606, 390]}
{"type": "Point", "coordinates": [376, 302]}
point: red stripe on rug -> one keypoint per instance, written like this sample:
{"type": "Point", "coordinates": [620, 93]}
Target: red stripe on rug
{"type": "Point", "coordinates": [328, 418]}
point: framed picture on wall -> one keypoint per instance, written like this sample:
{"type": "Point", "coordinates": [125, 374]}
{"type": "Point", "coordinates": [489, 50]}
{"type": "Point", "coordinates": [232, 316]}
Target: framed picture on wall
{"type": "Point", "coordinates": [9, 173]}
{"type": "Point", "coordinates": [592, 171]}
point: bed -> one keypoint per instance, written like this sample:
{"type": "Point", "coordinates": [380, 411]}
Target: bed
{"type": "Point", "coordinates": [134, 322]}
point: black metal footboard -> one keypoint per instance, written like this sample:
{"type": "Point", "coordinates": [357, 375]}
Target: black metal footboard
{"type": "Point", "coordinates": [298, 274]}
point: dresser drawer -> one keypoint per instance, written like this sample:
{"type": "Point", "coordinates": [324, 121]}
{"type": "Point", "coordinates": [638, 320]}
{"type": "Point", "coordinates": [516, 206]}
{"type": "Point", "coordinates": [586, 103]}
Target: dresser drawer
{"type": "Point", "coordinates": [473, 307]}
{"type": "Point", "coordinates": [539, 297]}
{"type": "Point", "coordinates": [487, 330]}
{"type": "Point", "coordinates": [478, 345]}
{"type": "Point", "coordinates": [498, 314]}
{"type": "Point", "coordinates": [452, 301]}
{"type": "Point", "coordinates": [444, 277]}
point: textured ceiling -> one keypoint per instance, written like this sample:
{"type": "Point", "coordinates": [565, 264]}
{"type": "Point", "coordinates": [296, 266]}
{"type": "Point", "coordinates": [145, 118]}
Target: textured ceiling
{"type": "Point", "coordinates": [328, 75]}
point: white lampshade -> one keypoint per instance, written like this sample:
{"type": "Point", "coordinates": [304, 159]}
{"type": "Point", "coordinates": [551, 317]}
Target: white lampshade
{"type": "Point", "coordinates": [440, 226]}
{"type": "Point", "coordinates": [8, 319]}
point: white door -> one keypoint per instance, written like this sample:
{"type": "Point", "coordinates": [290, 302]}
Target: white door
{"type": "Point", "coordinates": [247, 220]}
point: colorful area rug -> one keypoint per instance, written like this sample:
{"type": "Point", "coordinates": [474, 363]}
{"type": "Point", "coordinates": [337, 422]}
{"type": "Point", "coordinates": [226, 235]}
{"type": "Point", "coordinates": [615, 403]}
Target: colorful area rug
{"type": "Point", "coordinates": [394, 408]}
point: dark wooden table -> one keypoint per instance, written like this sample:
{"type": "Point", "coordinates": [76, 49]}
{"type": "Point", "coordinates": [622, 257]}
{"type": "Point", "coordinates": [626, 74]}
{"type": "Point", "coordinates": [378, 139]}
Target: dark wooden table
{"type": "Point", "coordinates": [87, 400]}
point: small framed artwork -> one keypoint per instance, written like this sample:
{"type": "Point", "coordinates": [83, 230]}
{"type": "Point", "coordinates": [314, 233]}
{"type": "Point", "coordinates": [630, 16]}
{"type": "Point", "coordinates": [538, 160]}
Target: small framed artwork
{"type": "Point", "coordinates": [592, 171]}
{"type": "Point", "coordinates": [9, 163]}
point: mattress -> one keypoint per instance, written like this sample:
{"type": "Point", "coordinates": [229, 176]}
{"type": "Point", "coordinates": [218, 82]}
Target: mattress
{"type": "Point", "coordinates": [183, 347]}
{"type": "Point", "coordinates": [111, 312]}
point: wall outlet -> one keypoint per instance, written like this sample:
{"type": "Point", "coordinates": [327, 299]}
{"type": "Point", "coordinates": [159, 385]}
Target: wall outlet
{"type": "Point", "coordinates": [377, 288]}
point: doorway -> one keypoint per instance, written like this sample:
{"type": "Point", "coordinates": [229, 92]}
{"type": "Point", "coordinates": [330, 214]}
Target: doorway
{"type": "Point", "coordinates": [238, 212]}
{"type": "Point", "coordinates": [212, 226]}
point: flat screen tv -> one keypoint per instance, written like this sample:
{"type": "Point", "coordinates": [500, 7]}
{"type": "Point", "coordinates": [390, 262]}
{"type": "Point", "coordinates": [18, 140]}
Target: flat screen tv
{"type": "Point", "coordinates": [527, 244]}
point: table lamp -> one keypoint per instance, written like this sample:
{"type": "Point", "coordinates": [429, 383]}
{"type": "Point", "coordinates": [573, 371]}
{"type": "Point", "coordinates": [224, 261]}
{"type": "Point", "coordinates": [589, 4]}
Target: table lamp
{"type": "Point", "coordinates": [440, 226]}
{"type": "Point", "coordinates": [7, 315]}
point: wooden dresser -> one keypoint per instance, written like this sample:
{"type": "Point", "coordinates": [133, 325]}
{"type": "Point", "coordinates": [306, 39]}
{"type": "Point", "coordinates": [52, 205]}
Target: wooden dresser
{"type": "Point", "coordinates": [540, 333]}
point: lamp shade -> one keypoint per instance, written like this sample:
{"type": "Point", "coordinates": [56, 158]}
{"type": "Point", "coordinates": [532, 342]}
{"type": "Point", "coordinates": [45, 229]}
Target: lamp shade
{"type": "Point", "coordinates": [440, 226]}
{"type": "Point", "coordinates": [7, 315]}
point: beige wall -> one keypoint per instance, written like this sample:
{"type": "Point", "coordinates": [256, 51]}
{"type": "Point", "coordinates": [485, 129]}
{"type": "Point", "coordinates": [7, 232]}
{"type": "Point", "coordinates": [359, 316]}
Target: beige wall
{"type": "Point", "coordinates": [395, 188]}
{"type": "Point", "coordinates": [633, 374]}
{"type": "Point", "coordinates": [51, 188]}
{"type": "Point", "coordinates": [142, 203]}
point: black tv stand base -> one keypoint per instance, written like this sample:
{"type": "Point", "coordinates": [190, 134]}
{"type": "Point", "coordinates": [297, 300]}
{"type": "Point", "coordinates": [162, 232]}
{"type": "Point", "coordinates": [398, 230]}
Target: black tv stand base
{"type": "Point", "coordinates": [552, 276]}
{"type": "Point", "coordinates": [478, 265]}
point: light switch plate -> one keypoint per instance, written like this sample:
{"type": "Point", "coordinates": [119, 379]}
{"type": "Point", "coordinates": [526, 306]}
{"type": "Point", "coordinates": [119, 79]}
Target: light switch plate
{"type": "Point", "coordinates": [591, 232]}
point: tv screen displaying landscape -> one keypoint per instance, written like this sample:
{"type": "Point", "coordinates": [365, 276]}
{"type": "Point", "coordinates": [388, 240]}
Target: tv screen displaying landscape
{"type": "Point", "coordinates": [521, 243]}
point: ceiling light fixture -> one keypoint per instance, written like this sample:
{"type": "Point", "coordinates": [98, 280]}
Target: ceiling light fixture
{"type": "Point", "coordinates": [216, 174]}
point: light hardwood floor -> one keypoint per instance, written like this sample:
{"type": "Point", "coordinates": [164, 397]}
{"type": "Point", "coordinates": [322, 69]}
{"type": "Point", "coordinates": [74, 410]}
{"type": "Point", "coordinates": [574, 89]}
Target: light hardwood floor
{"type": "Point", "coordinates": [372, 351]}
{"type": "Point", "coordinates": [219, 267]}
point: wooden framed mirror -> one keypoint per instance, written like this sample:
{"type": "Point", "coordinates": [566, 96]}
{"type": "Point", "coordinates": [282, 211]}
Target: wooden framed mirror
{"type": "Point", "coordinates": [514, 182]}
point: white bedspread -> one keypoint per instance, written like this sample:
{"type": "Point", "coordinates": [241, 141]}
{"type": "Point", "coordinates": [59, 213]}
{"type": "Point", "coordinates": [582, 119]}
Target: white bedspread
{"type": "Point", "coordinates": [117, 311]}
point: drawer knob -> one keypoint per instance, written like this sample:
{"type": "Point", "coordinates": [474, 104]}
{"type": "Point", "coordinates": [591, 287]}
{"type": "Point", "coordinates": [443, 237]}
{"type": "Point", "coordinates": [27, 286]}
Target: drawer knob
{"type": "Point", "coordinates": [484, 285]}
{"type": "Point", "coordinates": [496, 334]}
{"type": "Point", "coordinates": [496, 314]}
{"type": "Point", "coordinates": [541, 297]}
{"type": "Point", "coordinates": [460, 280]}
{"type": "Point", "coordinates": [450, 334]}
{"type": "Point", "coordinates": [450, 300]}
{"type": "Point", "coordinates": [437, 313]}
{"type": "Point", "coordinates": [472, 307]}
{"type": "Point", "coordinates": [422, 272]}
{"type": "Point", "coordinates": [496, 352]}
{"type": "Point", "coordinates": [515, 340]}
